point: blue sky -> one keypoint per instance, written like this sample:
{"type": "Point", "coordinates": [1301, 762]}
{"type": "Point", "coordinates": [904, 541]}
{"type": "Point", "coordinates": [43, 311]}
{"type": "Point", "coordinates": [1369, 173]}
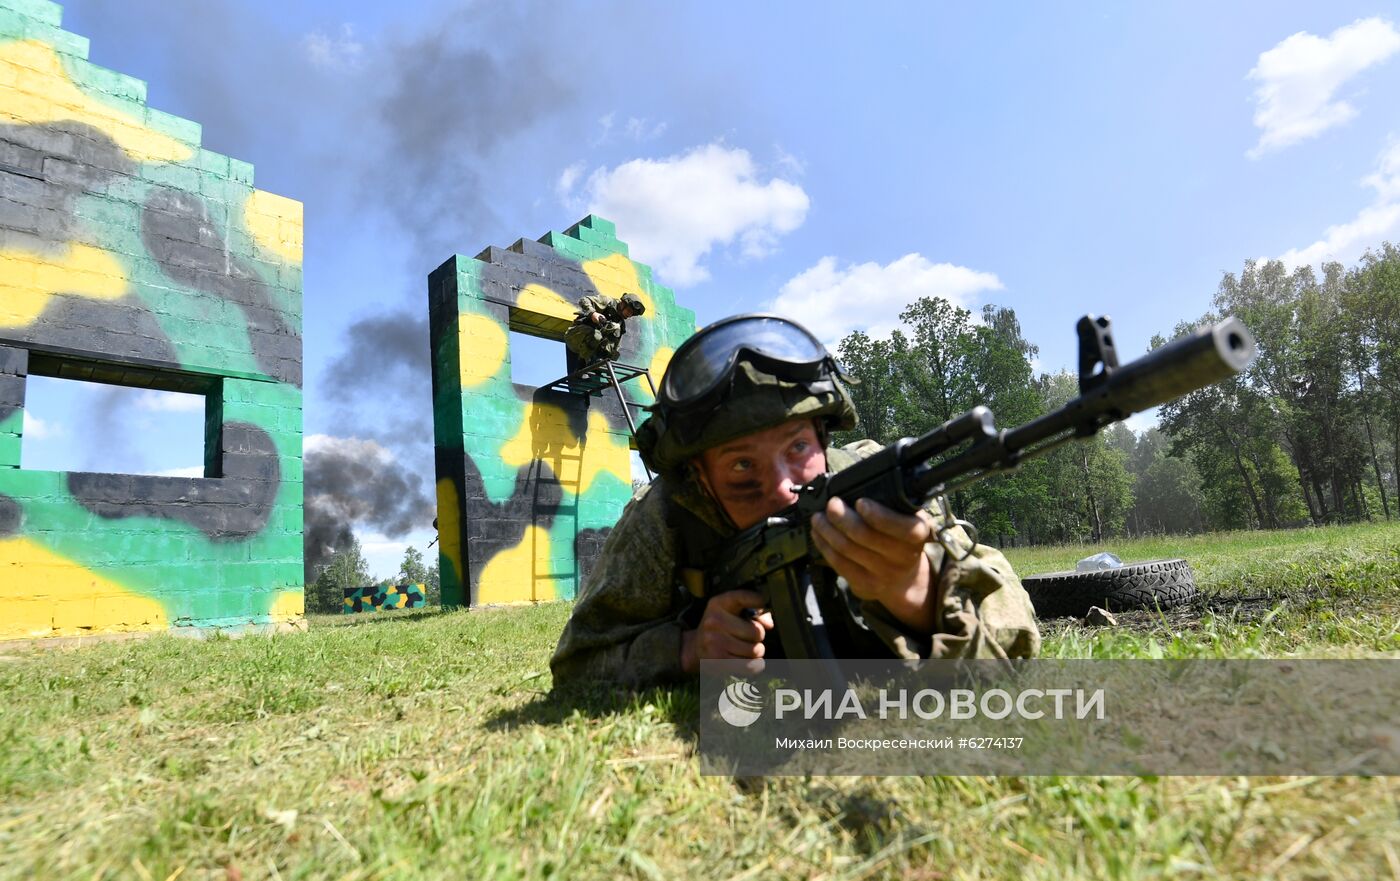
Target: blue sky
{"type": "Point", "coordinates": [830, 160]}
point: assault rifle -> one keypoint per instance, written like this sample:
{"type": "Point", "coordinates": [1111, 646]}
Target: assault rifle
{"type": "Point", "coordinates": [775, 557]}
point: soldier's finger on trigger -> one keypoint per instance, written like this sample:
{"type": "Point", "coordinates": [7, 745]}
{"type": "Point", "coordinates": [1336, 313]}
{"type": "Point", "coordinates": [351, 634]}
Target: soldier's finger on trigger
{"type": "Point", "coordinates": [723, 621]}
{"type": "Point", "coordinates": [746, 629]}
{"type": "Point", "coordinates": [761, 617]}
{"type": "Point", "coordinates": [729, 647]}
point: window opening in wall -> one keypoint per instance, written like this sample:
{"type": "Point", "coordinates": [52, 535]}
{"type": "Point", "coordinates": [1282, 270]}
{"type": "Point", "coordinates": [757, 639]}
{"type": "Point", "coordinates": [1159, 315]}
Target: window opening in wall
{"type": "Point", "coordinates": [639, 471]}
{"type": "Point", "coordinates": [536, 360]}
{"type": "Point", "coordinates": [77, 425]}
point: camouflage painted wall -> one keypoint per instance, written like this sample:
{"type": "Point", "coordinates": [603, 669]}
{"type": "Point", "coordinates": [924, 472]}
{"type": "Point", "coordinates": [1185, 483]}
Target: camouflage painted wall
{"type": "Point", "coordinates": [130, 255]}
{"type": "Point", "coordinates": [529, 482]}
{"type": "Point", "coordinates": [378, 597]}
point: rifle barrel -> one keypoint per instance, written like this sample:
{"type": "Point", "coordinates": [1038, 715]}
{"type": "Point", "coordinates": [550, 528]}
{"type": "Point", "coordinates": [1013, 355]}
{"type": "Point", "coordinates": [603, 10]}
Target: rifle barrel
{"type": "Point", "coordinates": [1183, 365]}
{"type": "Point", "coordinates": [1194, 361]}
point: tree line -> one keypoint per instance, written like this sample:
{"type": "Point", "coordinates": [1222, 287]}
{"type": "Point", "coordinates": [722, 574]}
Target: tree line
{"type": "Point", "coordinates": [1309, 434]}
{"type": "Point", "coordinates": [348, 569]}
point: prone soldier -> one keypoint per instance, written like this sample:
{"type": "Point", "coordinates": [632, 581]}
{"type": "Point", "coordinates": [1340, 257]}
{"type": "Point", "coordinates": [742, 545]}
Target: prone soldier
{"type": "Point", "coordinates": [743, 417]}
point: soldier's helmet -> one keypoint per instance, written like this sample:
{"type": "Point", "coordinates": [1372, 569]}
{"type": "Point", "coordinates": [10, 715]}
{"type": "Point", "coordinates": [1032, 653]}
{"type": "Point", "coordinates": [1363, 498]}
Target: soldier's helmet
{"type": "Point", "coordinates": [634, 302]}
{"type": "Point", "coordinates": [740, 375]}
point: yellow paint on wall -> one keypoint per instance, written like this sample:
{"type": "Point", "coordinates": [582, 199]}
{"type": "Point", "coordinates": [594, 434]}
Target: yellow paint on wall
{"type": "Point", "coordinates": [449, 527]}
{"type": "Point", "coordinates": [659, 362]}
{"type": "Point", "coordinates": [45, 93]}
{"type": "Point", "coordinates": [615, 275]}
{"type": "Point", "coordinates": [607, 452]}
{"type": "Point", "coordinates": [520, 574]}
{"type": "Point", "coordinates": [290, 605]}
{"type": "Point", "coordinates": [545, 434]}
{"type": "Point", "coordinates": [483, 348]}
{"type": "Point", "coordinates": [540, 299]}
{"type": "Point", "coordinates": [29, 280]}
{"type": "Point", "coordinates": [44, 594]}
{"type": "Point", "coordinates": [275, 223]}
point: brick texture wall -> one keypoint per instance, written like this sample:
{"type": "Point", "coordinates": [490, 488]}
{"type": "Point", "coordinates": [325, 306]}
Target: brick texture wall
{"type": "Point", "coordinates": [130, 255]}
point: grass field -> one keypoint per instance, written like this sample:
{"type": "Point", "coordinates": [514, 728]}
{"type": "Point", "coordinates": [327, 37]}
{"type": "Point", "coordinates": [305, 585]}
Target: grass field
{"type": "Point", "coordinates": [430, 745]}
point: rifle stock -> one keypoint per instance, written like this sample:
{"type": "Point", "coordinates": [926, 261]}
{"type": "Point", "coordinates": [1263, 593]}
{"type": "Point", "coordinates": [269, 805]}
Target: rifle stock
{"type": "Point", "coordinates": [775, 557]}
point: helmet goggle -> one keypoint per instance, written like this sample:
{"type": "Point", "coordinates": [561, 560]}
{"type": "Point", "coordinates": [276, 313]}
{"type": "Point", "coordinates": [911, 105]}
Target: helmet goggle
{"type": "Point", "coordinates": [775, 345]}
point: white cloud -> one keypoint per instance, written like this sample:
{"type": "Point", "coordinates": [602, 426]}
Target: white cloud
{"type": "Point", "coordinates": [39, 429]}
{"type": "Point", "coordinates": [790, 163]}
{"type": "Point", "coordinates": [568, 178]}
{"type": "Point", "coordinates": [334, 52]}
{"type": "Point", "coordinates": [643, 129]}
{"type": "Point", "coordinates": [345, 446]}
{"type": "Point", "coordinates": [191, 471]}
{"type": "Point", "coordinates": [605, 126]}
{"type": "Point", "coordinates": [675, 211]}
{"type": "Point", "coordinates": [1376, 223]}
{"type": "Point", "coordinates": [634, 128]}
{"type": "Point", "coordinates": [1299, 78]}
{"type": "Point", "coordinates": [832, 301]}
{"type": "Point", "coordinates": [169, 402]}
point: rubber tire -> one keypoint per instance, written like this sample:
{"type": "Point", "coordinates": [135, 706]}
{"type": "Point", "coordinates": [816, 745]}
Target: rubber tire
{"type": "Point", "coordinates": [1159, 584]}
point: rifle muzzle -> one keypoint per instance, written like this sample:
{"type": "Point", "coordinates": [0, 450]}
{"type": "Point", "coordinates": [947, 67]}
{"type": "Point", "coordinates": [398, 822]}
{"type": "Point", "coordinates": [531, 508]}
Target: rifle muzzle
{"type": "Point", "coordinates": [1182, 366]}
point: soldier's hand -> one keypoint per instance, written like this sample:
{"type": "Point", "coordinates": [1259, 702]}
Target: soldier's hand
{"type": "Point", "coordinates": [726, 633]}
{"type": "Point", "coordinates": [880, 553]}
{"type": "Point", "coordinates": [596, 317]}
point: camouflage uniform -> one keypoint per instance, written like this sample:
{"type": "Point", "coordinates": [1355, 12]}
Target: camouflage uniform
{"type": "Point", "coordinates": [589, 342]}
{"type": "Point", "coordinates": [626, 626]}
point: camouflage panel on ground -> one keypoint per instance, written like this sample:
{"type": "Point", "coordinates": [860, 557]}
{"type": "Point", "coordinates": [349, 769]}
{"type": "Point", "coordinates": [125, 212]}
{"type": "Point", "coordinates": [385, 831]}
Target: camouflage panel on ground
{"type": "Point", "coordinates": [380, 597]}
{"type": "Point", "coordinates": [530, 481]}
{"type": "Point", "coordinates": [129, 255]}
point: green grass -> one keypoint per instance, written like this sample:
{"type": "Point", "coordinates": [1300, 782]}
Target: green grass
{"type": "Point", "coordinates": [430, 745]}
{"type": "Point", "coordinates": [1332, 592]}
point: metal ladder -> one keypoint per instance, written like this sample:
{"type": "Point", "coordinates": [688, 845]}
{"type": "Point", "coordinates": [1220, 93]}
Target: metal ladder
{"type": "Point", "coordinates": [595, 379]}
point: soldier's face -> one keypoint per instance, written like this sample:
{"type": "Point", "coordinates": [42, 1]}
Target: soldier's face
{"type": "Point", "coordinates": [753, 476]}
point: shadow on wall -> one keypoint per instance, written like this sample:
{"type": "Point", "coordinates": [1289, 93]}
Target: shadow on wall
{"type": "Point", "coordinates": [533, 480]}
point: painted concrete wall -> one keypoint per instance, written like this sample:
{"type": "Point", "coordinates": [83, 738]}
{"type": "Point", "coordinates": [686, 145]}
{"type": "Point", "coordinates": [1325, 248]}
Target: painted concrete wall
{"type": "Point", "coordinates": [130, 255]}
{"type": "Point", "coordinates": [530, 482]}
{"type": "Point", "coordinates": [381, 597]}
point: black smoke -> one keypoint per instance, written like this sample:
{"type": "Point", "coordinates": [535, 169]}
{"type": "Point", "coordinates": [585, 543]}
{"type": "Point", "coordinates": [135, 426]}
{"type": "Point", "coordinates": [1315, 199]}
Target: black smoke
{"type": "Point", "coordinates": [109, 414]}
{"type": "Point", "coordinates": [390, 350]}
{"type": "Point", "coordinates": [220, 63]}
{"type": "Point", "coordinates": [453, 99]}
{"type": "Point", "coordinates": [357, 483]}
{"type": "Point", "coordinates": [383, 367]}
{"type": "Point", "coordinates": [419, 135]}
